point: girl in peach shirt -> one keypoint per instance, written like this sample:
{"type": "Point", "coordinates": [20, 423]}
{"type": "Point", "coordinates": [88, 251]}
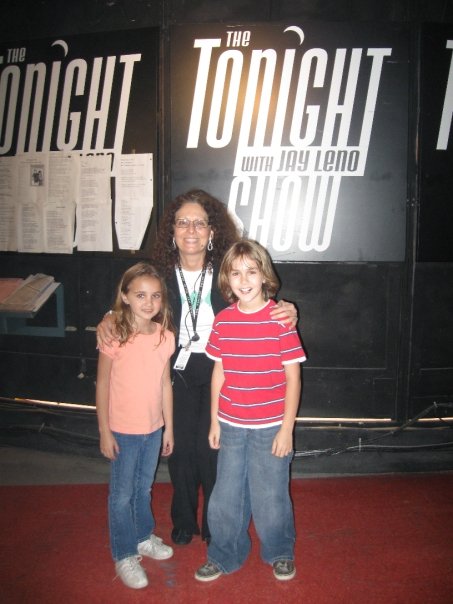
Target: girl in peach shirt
{"type": "Point", "coordinates": [134, 407]}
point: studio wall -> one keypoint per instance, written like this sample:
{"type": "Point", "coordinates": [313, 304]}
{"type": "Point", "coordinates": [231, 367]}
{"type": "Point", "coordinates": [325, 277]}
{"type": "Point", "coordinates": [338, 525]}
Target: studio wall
{"type": "Point", "coordinates": [373, 283]}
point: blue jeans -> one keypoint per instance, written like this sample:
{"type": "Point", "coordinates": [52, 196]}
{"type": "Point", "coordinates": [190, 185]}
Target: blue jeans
{"type": "Point", "coordinates": [250, 482]}
{"type": "Point", "coordinates": [131, 476]}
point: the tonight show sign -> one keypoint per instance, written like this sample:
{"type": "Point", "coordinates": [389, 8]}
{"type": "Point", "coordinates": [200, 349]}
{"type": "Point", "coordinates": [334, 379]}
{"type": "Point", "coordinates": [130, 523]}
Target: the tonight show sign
{"type": "Point", "coordinates": [301, 129]}
{"type": "Point", "coordinates": [95, 94]}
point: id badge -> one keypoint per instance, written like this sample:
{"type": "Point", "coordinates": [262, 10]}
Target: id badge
{"type": "Point", "coordinates": [182, 360]}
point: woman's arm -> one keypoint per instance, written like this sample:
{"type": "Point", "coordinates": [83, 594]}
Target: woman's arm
{"type": "Point", "coordinates": [217, 380]}
{"type": "Point", "coordinates": [286, 312]}
{"type": "Point", "coordinates": [108, 445]}
{"type": "Point", "coordinates": [283, 441]}
{"type": "Point", "coordinates": [168, 441]}
{"type": "Point", "coordinates": [105, 331]}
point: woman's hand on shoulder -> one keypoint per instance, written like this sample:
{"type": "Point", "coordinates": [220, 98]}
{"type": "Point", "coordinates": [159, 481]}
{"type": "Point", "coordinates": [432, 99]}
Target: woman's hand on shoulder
{"type": "Point", "coordinates": [105, 330]}
{"type": "Point", "coordinates": [285, 312]}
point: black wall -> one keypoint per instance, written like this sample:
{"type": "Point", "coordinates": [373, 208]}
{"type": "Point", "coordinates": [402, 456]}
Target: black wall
{"type": "Point", "coordinates": [379, 335]}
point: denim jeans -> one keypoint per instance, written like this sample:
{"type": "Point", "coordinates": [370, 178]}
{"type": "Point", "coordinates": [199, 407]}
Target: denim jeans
{"type": "Point", "coordinates": [250, 482]}
{"type": "Point", "coordinates": [131, 476]}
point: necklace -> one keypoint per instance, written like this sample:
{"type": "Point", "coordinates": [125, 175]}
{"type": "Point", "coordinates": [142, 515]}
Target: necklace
{"type": "Point", "coordinates": [193, 311]}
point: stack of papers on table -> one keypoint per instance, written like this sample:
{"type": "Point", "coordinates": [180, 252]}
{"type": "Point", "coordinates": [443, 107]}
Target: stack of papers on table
{"type": "Point", "coordinates": [26, 295]}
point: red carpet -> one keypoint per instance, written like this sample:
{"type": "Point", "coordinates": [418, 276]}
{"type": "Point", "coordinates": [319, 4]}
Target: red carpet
{"type": "Point", "coordinates": [385, 539]}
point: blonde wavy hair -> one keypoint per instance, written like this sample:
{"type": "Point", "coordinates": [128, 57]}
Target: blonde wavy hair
{"type": "Point", "coordinates": [124, 319]}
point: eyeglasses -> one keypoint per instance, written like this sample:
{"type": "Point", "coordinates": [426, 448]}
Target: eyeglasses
{"type": "Point", "coordinates": [184, 223]}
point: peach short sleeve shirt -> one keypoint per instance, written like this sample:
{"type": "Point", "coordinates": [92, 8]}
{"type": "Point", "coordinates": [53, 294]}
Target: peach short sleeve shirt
{"type": "Point", "coordinates": [135, 402]}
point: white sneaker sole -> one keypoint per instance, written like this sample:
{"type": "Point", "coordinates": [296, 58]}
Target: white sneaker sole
{"type": "Point", "coordinates": [285, 577]}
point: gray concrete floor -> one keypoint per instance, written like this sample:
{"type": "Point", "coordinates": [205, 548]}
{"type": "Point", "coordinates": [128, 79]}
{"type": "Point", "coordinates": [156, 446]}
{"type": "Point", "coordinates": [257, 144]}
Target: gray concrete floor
{"type": "Point", "coordinates": [25, 466]}
{"type": "Point", "coordinates": [22, 466]}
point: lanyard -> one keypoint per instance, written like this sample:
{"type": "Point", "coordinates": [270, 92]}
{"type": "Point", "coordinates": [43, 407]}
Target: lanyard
{"type": "Point", "coordinates": [193, 312]}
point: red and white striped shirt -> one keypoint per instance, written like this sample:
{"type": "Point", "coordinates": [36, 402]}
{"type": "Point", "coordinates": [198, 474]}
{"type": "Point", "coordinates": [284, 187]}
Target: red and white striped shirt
{"type": "Point", "coordinates": [253, 349]}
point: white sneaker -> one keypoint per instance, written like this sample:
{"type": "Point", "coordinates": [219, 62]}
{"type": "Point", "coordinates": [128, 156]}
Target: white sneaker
{"type": "Point", "coordinates": [131, 573]}
{"type": "Point", "coordinates": [155, 548]}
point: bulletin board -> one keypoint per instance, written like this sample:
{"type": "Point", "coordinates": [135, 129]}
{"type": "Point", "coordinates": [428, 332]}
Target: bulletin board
{"type": "Point", "coordinates": [78, 142]}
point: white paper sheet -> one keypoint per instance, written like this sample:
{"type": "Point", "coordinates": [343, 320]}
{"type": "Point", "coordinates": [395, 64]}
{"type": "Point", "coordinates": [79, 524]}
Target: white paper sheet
{"type": "Point", "coordinates": [8, 206]}
{"type": "Point", "coordinates": [59, 208]}
{"type": "Point", "coordinates": [32, 192]}
{"type": "Point", "coordinates": [94, 205]}
{"type": "Point", "coordinates": [133, 199]}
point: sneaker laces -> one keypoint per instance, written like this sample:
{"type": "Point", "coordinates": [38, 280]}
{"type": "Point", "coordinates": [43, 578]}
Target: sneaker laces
{"type": "Point", "coordinates": [151, 544]}
{"type": "Point", "coordinates": [283, 565]}
{"type": "Point", "coordinates": [210, 567]}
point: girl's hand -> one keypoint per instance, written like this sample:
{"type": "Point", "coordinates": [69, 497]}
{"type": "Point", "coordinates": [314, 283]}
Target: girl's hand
{"type": "Point", "coordinates": [285, 312]}
{"type": "Point", "coordinates": [168, 443]}
{"type": "Point", "coordinates": [283, 443]}
{"type": "Point", "coordinates": [105, 331]}
{"type": "Point", "coordinates": [214, 435]}
{"type": "Point", "coordinates": [108, 445]}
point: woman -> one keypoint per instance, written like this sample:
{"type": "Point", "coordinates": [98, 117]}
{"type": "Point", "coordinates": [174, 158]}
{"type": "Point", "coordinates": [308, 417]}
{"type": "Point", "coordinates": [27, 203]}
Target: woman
{"type": "Point", "coordinates": [195, 232]}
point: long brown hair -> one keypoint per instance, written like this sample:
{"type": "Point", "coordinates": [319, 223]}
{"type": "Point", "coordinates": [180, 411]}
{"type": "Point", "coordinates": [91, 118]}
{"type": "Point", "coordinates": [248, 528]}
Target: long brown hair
{"type": "Point", "coordinates": [124, 319]}
{"type": "Point", "coordinates": [164, 253]}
